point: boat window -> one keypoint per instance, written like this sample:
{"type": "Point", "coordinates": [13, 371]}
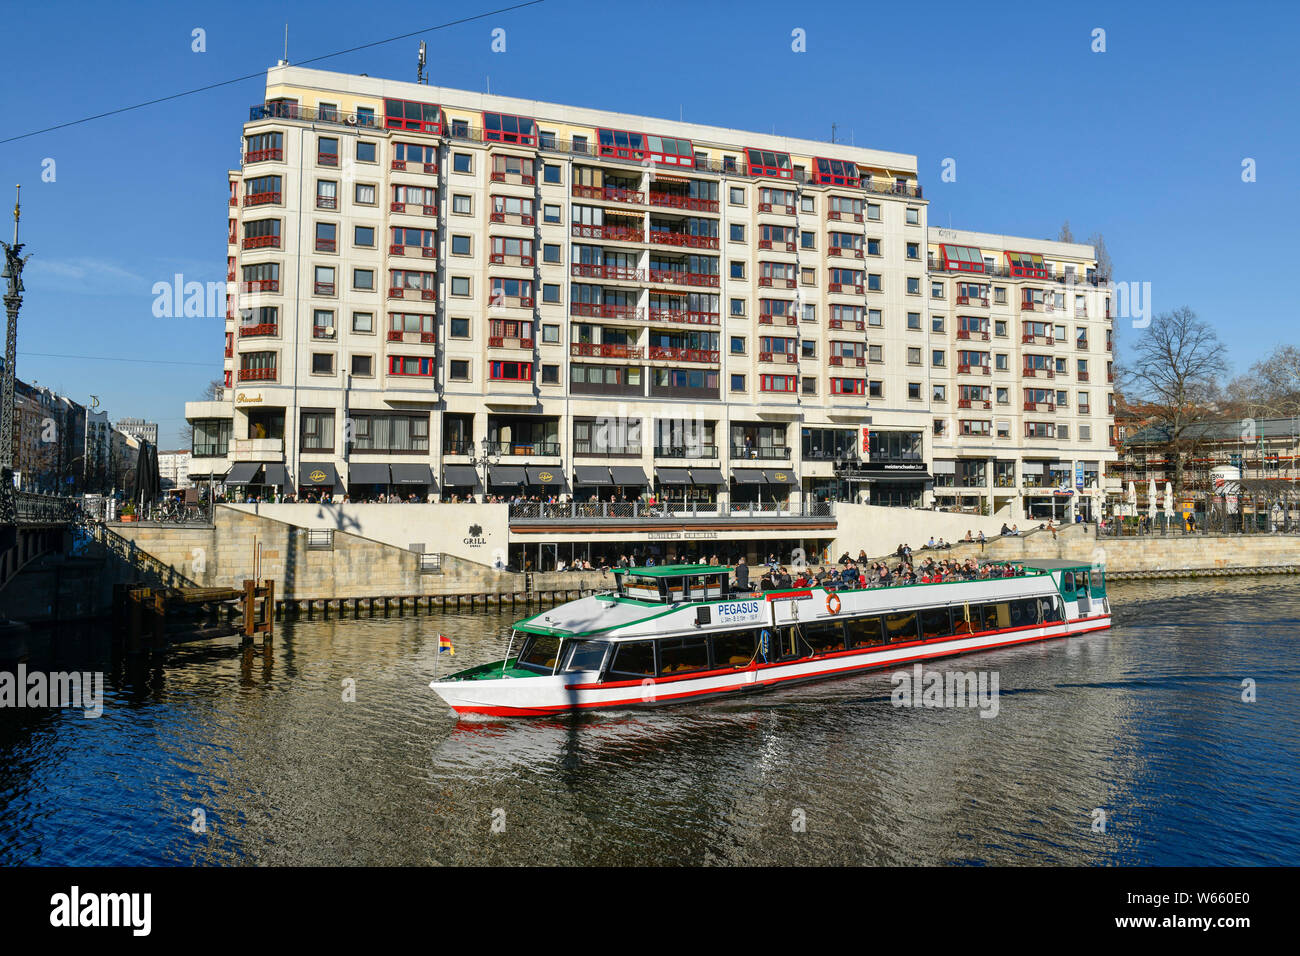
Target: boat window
{"type": "Point", "coordinates": [864, 631]}
{"type": "Point", "coordinates": [1024, 612]}
{"type": "Point", "coordinates": [825, 637]}
{"type": "Point", "coordinates": [642, 589]}
{"type": "Point", "coordinates": [785, 645]}
{"type": "Point", "coordinates": [586, 656]}
{"type": "Point", "coordinates": [963, 621]}
{"type": "Point", "coordinates": [734, 650]}
{"type": "Point", "coordinates": [1067, 583]}
{"type": "Point", "coordinates": [935, 623]}
{"type": "Point", "coordinates": [1050, 611]}
{"type": "Point", "coordinates": [901, 627]}
{"type": "Point", "coordinates": [636, 658]}
{"type": "Point", "coordinates": [681, 654]}
{"type": "Point", "coordinates": [540, 652]}
{"type": "Point", "coordinates": [996, 616]}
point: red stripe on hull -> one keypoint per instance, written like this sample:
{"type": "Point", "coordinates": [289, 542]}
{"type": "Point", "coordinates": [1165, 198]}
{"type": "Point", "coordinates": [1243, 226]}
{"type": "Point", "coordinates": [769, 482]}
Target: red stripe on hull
{"type": "Point", "coordinates": [715, 691]}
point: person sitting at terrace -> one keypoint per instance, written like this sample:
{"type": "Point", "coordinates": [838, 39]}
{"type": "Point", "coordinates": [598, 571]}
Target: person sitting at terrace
{"type": "Point", "coordinates": [765, 583]}
{"type": "Point", "coordinates": [930, 543]}
{"type": "Point", "coordinates": [968, 539]}
{"type": "Point", "coordinates": [1005, 529]}
{"type": "Point", "coordinates": [783, 579]}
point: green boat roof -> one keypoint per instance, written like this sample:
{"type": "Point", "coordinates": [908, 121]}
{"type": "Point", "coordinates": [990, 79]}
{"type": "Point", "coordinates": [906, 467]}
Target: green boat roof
{"type": "Point", "coordinates": [675, 570]}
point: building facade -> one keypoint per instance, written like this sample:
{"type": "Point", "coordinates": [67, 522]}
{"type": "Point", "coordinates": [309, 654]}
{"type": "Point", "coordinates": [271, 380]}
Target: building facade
{"type": "Point", "coordinates": [140, 429]}
{"type": "Point", "coordinates": [438, 293]}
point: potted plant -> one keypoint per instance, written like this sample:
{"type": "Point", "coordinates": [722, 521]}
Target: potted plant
{"type": "Point", "coordinates": [128, 511]}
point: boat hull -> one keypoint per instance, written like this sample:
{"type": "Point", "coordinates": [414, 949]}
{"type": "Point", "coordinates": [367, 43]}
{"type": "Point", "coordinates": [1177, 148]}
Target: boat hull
{"type": "Point", "coordinates": [547, 695]}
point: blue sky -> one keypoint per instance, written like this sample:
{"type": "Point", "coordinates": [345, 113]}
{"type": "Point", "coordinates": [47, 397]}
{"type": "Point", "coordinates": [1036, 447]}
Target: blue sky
{"type": "Point", "coordinates": [1143, 143]}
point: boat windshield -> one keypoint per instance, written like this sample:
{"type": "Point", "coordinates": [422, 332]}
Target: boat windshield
{"type": "Point", "coordinates": [539, 653]}
{"type": "Point", "coordinates": [672, 589]}
{"type": "Point", "coordinates": [585, 655]}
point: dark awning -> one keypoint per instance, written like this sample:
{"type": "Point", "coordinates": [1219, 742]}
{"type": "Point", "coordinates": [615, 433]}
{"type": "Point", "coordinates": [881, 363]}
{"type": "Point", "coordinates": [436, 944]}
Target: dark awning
{"type": "Point", "coordinates": [870, 475]}
{"type": "Point", "coordinates": [202, 473]}
{"type": "Point", "coordinates": [673, 476]}
{"type": "Point", "coordinates": [368, 473]}
{"type": "Point", "coordinates": [748, 476]}
{"type": "Point", "coordinates": [277, 475]}
{"type": "Point", "coordinates": [707, 476]}
{"type": "Point", "coordinates": [411, 473]}
{"type": "Point", "coordinates": [591, 475]}
{"type": "Point", "coordinates": [781, 476]}
{"type": "Point", "coordinates": [551, 478]}
{"type": "Point", "coordinates": [317, 473]}
{"type": "Point", "coordinates": [506, 475]}
{"type": "Point", "coordinates": [628, 475]}
{"type": "Point", "coordinates": [460, 476]}
{"type": "Point", "coordinates": [242, 472]}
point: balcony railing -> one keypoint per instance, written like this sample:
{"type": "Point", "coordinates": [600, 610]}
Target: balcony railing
{"type": "Point", "coordinates": [789, 358]}
{"type": "Point", "coordinates": [322, 331]}
{"type": "Point", "coordinates": [1004, 272]}
{"type": "Point", "coordinates": [257, 375]}
{"type": "Point", "coordinates": [402, 165]}
{"type": "Point", "coordinates": [668, 353]}
{"type": "Point", "coordinates": [534, 448]}
{"type": "Point", "coordinates": [665, 238]}
{"type": "Point", "coordinates": [780, 209]}
{"type": "Point", "coordinates": [261, 199]}
{"type": "Point", "coordinates": [260, 285]}
{"type": "Point", "coordinates": [398, 292]}
{"type": "Point", "coordinates": [846, 324]}
{"type": "Point", "coordinates": [1082, 376]}
{"type": "Point", "coordinates": [262, 155]}
{"type": "Point", "coordinates": [323, 288]}
{"type": "Point", "coordinates": [327, 159]}
{"type": "Point", "coordinates": [761, 452]}
{"type": "Point", "coordinates": [508, 342]}
{"type": "Point", "coordinates": [1032, 339]}
{"type": "Point", "coordinates": [1040, 406]}
{"type": "Point", "coordinates": [845, 252]}
{"type": "Point", "coordinates": [326, 245]}
{"type": "Point", "coordinates": [766, 318]}
{"type": "Point", "coordinates": [686, 451]}
{"type": "Point", "coordinates": [614, 273]}
{"type": "Point", "coordinates": [972, 300]}
{"type": "Point", "coordinates": [311, 114]}
{"type": "Point", "coordinates": [609, 194]}
{"type": "Point", "coordinates": [605, 310]}
{"type": "Point", "coordinates": [683, 202]}
{"type": "Point", "coordinates": [601, 350]}
{"type": "Point", "coordinates": [683, 278]}
{"type": "Point", "coordinates": [261, 242]}
{"type": "Point", "coordinates": [265, 328]}
{"type": "Point", "coordinates": [979, 334]}
{"type": "Point", "coordinates": [427, 252]}
{"type": "Point", "coordinates": [457, 446]}
{"type": "Point", "coordinates": [586, 448]}
{"type": "Point", "coordinates": [684, 318]}
{"type": "Point", "coordinates": [971, 369]}
{"type": "Point", "coordinates": [1039, 373]}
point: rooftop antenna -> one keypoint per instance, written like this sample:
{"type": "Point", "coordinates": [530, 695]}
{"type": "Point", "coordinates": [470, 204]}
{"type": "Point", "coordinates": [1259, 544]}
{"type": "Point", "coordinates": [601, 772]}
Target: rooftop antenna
{"type": "Point", "coordinates": [286, 43]}
{"type": "Point", "coordinates": [419, 71]}
{"type": "Point", "coordinates": [488, 81]}
{"type": "Point", "coordinates": [833, 127]}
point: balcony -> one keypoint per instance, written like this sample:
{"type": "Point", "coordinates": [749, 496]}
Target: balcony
{"type": "Point", "coordinates": [327, 202]}
{"type": "Point", "coordinates": [836, 216]}
{"type": "Point", "coordinates": [779, 209]}
{"type": "Point", "coordinates": [789, 358]}
{"type": "Point", "coordinates": [613, 273]}
{"type": "Point", "coordinates": [602, 310]}
{"type": "Point", "coordinates": [327, 159]}
{"type": "Point", "coordinates": [609, 194]}
{"type": "Point", "coordinates": [585, 448]}
{"type": "Point", "coordinates": [704, 514]}
{"type": "Point", "coordinates": [411, 338]}
{"type": "Point", "coordinates": [311, 114]}
{"type": "Point", "coordinates": [261, 242]}
{"type": "Point", "coordinates": [973, 334]}
{"type": "Point", "coordinates": [525, 219]}
{"type": "Point", "coordinates": [1040, 406]}
{"type": "Point", "coordinates": [256, 449]}
{"type": "Point", "coordinates": [974, 403]}
{"type": "Point", "coordinates": [323, 288]}
{"type": "Point", "coordinates": [1039, 373]}
{"type": "Point", "coordinates": [611, 233]}
{"type": "Point", "coordinates": [531, 449]}
{"type": "Point", "coordinates": [972, 300]}
{"type": "Point", "coordinates": [684, 318]}
{"type": "Point", "coordinates": [664, 238]}
{"type": "Point", "coordinates": [843, 287]}
{"type": "Point", "coordinates": [522, 179]}
{"type": "Point", "coordinates": [846, 324]}
{"type": "Point", "coordinates": [845, 253]}
{"type": "Point", "coordinates": [402, 166]}
{"type": "Point", "coordinates": [265, 328]}
{"type": "Point", "coordinates": [1110, 376]}
{"type": "Point", "coordinates": [257, 375]}
{"type": "Point", "coordinates": [509, 342]}
{"type": "Point", "coordinates": [766, 318]}
{"type": "Point", "coordinates": [1081, 344]}
{"type": "Point", "coordinates": [261, 199]}
{"type": "Point", "coordinates": [424, 210]}
{"type": "Point", "coordinates": [322, 332]}
{"type": "Point", "coordinates": [1029, 338]}
{"type": "Point", "coordinates": [1032, 307]}
{"type": "Point", "coordinates": [426, 252]}
{"type": "Point", "coordinates": [601, 350]}
{"type": "Point", "coordinates": [683, 202]}
{"type": "Point", "coordinates": [674, 277]}
{"type": "Point", "coordinates": [686, 451]}
{"type": "Point", "coordinates": [665, 353]}
{"type": "Point", "coordinates": [971, 370]}
{"type": "Point", "coordinates": [774, 243]}
{"type": "Point", "coordinates": [761, 452]}
{"type": "Point", "coordinates": [768, 282]}
{"type": "Point", "coordinates": [858, 361]}
{"type": "Point", "coordinates": [457, 446]}
{"type": "Point", "coordinates": [326, 245]}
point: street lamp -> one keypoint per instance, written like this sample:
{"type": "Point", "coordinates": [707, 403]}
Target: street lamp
{"type": "Point", "coordinates": [487, 457]}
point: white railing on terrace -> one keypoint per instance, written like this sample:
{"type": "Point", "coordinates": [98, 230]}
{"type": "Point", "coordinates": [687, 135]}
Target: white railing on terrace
{"type": "Point", "coordinates": [606, 510]}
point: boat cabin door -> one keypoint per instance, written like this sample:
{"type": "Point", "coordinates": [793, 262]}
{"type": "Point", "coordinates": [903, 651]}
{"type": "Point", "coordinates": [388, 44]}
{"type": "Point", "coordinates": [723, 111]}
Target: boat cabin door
{"type": "Point", "coordinates": [1074, 588]}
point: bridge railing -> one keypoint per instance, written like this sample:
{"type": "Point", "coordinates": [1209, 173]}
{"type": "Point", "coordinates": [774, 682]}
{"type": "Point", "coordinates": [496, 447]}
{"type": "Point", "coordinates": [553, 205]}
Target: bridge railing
{"type": "Point", "coordinates": [35, 508]}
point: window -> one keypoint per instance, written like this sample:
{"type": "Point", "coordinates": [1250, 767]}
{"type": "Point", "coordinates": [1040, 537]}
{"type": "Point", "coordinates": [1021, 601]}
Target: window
{"type": "Point", "coordinates": [737, 383]}
{"type": "Point", "coordinates": [914, 321]}
{"type": "Point", "coordinates": [363, 366]}
{"type": "Point", "coordinates": [776, 383]}
{"type": "Point", "coordinates": [873, 247]}
{"type": "Point", "coordinates": [913, 285]}
{"type": "Point", "coordinates": [737, 196]}
{"type": "Point", "coordinates": [460, 245]}
{"type": "Point", "coordinates": [550, 334]}
{"type": "Point", "coordinates": [913, 217]}
{"type": "Point", "coordinates": [737, 232]}
{"type": "Point", "coordinates": [737, 345]}
{"type": "Point", "coordinates": [936, 290]}
{"type": "Point", "coordinates": [460, 285]}
{"type": "Point", "coordinates": [875, 318]}
{"type": "Point", "coordinates": [808, 203]}
{"type": "Point", "coordinates": [737, 306]}
{"type": "Point", "coordinates": [410, 365]}
{"type": "Point", "coordinates": [874, 282]}
{"type": "Point", "coordinates": [461, 205]}
{"type": "Point", "coordinates": [873, 211]}
{"type": "Point", "coordinates": [458, 328]}
{"type": "Point", "coordinates": [914, 391]}
{"type": "Point", "coordinates": [1003, 396]}
{"type": "Point", "coordinates": [737, 269]}
{"type": "Point", "coordinates": [764, 162]}
{"type": "Point", "coordinates": [363, 322]}
{"type": "Point", "coordinates": [875, 388]}
{"type": "Point", "coordinates": [914, 250]}
{"type": "Point", "coordinates": [1000, 295]}
{"type": "Point", "coordinates": [550, 375]}
{"type": "Point", "coordinates": [550, 213]}
{"type": "Point", "coordinates": [809, 386]}
{"type": "Point", "coordinates": [462, 162]}
{"type": "Point", "coordinates": [550, 292]}
{"type": "Point", "coordinates": [327, 193]}
{"type": "Point", "coordinates": [365, 151]}
{"type": "Point", "coordinates": [1000, 362]}
{"type": "Point", "coordinates": [317, 431]}
{"type": "Point", "coordinates": [363, 236]}
{"type": "Point", "coordinates": [327, 151]}
{"type": "Point", "coordinates": [808, 240]}
{"type": "Point", "coordinates": [510, 371]}
{"type": "Point", "coordinates": [322, 363]}
{"type": "Point", "coordinates": [363, 279]}
{"type": "Point", "coordinates": [364, 195]}
{"type": "Point", "coordinates": [808, 348]}
{"type": "Point", "coordinates": [913, 356]}
{"type": "Point", "coordinates": [325, 236]}
{"type": "Point", "coordinates": [875, 353]}
{"type": "Point", "coordinates": [938, 358]}
{"type": "Point", "coordinates": [940, 393]}
{"type": "Point", "coordinates": [404, 114]}
{"type": "Point", "coordinates": [551, 173]}
{"type": "Point", "coordinates": [1000, 328]}
{"type": "Point", "coordinates": [550, 253]}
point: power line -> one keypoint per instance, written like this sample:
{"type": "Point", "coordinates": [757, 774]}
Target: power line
{"type": "Point", "coordinates": [110, 358]}
{"type": "Point", "coordinates": [252, 76]}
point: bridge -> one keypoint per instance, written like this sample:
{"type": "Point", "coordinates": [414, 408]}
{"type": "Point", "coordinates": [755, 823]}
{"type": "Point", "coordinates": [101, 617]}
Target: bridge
{"type": "Point", "coordinates": [40, 526]}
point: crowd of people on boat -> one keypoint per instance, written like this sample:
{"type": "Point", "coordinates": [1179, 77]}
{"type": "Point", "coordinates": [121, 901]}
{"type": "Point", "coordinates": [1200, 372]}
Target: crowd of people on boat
{"type": "Point", "coordinates": [851, 574]}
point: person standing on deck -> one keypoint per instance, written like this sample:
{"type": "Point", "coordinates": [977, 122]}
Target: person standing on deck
{"type": "Point", "coordinates": [742, 575]}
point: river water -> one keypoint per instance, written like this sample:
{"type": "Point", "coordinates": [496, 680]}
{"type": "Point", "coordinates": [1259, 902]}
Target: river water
{"type": "Point", "coordinates": [1144, 723]}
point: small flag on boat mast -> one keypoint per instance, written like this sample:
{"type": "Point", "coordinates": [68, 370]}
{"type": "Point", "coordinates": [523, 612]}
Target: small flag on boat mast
{"type": "Point", "coordinates": [444, 644]}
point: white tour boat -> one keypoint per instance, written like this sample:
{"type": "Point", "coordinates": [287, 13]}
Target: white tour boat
{"type": "Point", "coordinates": [683, 632]}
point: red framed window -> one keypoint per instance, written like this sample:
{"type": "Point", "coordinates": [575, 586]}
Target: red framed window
{"type": "Point", "coordinates": [844, 207]}
{"type": "Point", "coordinates": [847, 279]}
{"type": "Point", "coordinates": [848, 386]}
{"type": "Point", "coordinates": [620, 143]}
{"type": "Point", "coordinates": [406, 114]}
{"type": "Point", "coordinates": [775, 234]}
{"type": "Point", "coordinates": [506, 128]}
{"type": "Point", "coordinates": [834, 172]}
{"type": "Point", "coordinates": [512, 288]}
{"type": "Point", "coordinates": [504, 248]}
{"type": "Point", "coordinates": [510, 371]}
{"type": "Point", "coordinates": [765, 162]}
{"type": "Point", "coordinates": [412, 238]}
{"type": "Point", "coordinates": [670, 152]}
{"type": "Point", "coordinates": [414, 153]}
{"type": "Point", "coordinates": [402, 322]}
{"type": "Point", "coordinates": [962, 258]}
{"type": "Point", "coordinates": [410, 365]}
{"type": "Point", "coordinates": [777, 383]}
{"type": "Point", "coordinates": [1029, 265]}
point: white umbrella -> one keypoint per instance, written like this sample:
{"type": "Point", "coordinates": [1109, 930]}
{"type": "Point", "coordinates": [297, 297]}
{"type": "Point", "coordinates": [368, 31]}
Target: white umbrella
{"type": "Point", "coordinates": [1132, 497]}
{"type": "Point", "coordinates": [1169, 500]}
{"type": "Point", "coordinates": [1151, 499]}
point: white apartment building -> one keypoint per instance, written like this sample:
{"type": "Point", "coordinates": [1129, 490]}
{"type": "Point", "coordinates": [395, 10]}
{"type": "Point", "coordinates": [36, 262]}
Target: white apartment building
{"type": "Point", "coordinates": [440, 293]}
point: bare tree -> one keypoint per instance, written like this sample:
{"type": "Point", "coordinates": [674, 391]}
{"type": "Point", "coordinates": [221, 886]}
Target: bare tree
{"type": "Point", "coordinates": [1105, 268]}
{"type": "Point", "coordinates": [1175, 371]}
{"type": "Point", "coordinates": [1271, 387]}
{"type": "Point", "coordinates": [1065, 234]}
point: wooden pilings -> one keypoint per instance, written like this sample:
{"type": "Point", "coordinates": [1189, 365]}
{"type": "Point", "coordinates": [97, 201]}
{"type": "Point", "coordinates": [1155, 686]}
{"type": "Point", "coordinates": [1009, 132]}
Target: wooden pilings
{"type": "Point", "coordinates": [401, 605]}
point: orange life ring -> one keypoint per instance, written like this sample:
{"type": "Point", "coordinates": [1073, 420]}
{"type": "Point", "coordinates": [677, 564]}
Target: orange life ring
{"type": "Point", "coordinates": [833, 603]}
